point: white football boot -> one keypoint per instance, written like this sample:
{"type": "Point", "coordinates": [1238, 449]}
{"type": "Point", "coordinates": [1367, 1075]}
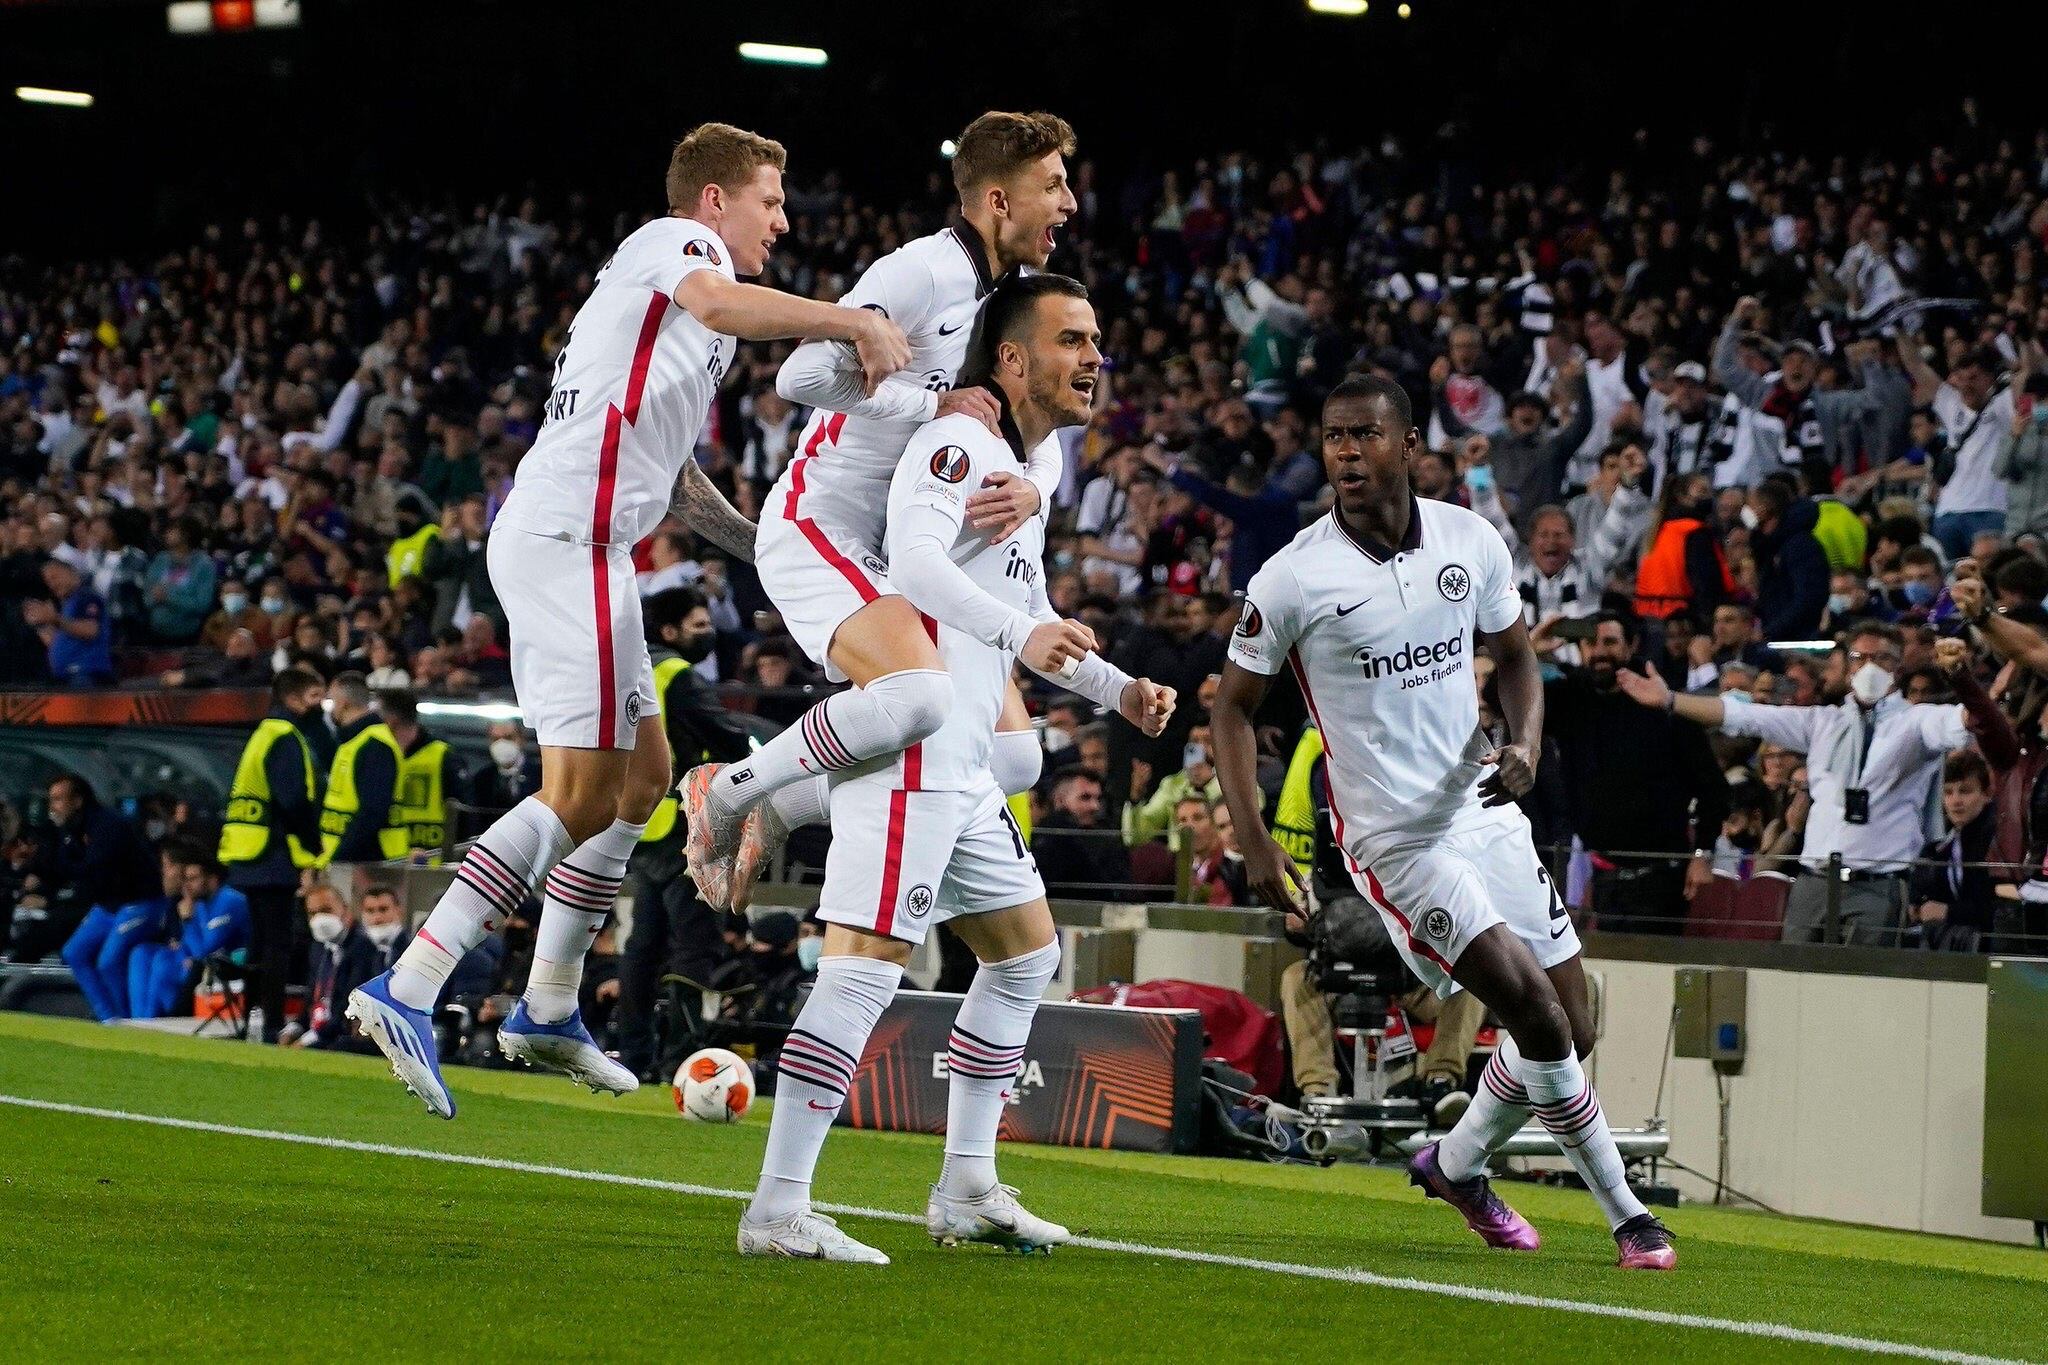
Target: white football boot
{"type": "Point", "coordinates": [995, 1218]}
{"type": "Point", "coordinates": [805, 1236]}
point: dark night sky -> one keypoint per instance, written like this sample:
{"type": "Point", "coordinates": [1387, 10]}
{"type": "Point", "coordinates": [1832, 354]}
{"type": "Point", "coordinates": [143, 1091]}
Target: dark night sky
{"type": "Point", "coordinates": [462, 96]}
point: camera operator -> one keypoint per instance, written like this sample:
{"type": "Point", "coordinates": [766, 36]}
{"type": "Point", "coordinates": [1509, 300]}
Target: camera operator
{"type": "Point", "coordinates": [1353, 974]}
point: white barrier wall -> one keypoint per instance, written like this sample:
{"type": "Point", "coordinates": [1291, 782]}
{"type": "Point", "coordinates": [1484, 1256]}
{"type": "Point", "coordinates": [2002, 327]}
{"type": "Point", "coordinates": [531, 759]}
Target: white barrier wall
{"type": "Point", "coordinates": [1862, 1098]}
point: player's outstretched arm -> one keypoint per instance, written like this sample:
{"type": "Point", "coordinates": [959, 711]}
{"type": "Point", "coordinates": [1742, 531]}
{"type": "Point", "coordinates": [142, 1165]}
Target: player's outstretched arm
{"type": "Point", "coordinates": [1269, 870]}
{"type": "Point", "coordinates": [753, 312]}
{"type": "Point", "coordinates": [706, 512]}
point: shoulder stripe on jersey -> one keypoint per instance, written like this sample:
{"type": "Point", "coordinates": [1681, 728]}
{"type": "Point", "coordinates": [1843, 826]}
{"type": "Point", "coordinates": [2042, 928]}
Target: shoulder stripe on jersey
{"type": "Point", "coordinates": [977, 256]}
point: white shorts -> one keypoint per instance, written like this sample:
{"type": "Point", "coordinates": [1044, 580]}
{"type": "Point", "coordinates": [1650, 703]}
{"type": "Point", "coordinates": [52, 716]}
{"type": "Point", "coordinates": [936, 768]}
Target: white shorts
{"type": "Point", "coordinates": [902, 861]}
{"type": "Point", "coordinates": [1438, 896]}
{"type": "Point", "coordinates": [819, 553]}
{"type": "Point", "coordinates": [579, 652]}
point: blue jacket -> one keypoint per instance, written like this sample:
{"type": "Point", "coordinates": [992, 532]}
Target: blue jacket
{"type": "Point", "coordinates": [219, 924]}
{"type": "Point", "coordinates": [1792, 575]}
{"type": "Point", "coordinates": [1261, 524]}
{"type": "Point", "coordinates": [81, 663]}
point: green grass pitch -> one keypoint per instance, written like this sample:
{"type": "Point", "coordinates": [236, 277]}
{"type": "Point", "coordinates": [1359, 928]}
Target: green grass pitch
{"type": "Point", "coordinates": [123, 1239]}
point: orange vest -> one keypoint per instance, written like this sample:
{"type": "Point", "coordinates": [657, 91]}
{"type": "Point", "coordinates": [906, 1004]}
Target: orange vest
{"type": "Point", "coordinates": [1662, 588]}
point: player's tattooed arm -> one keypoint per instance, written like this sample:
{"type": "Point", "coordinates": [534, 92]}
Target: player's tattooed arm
{"type": "Point", "coordinates": [706, 512]}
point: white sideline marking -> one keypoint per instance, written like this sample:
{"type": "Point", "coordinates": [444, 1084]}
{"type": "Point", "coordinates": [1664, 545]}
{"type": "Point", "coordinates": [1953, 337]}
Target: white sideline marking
{"type": "Point", "coordinates": [1504, 1297]}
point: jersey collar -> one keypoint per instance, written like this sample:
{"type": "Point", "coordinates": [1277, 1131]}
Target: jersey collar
{"type": "Point", "coordinates": [1006, 423]}
{"type": "Point", "coordinates": [977, 256]}
{"type": "Point", "coordinates": [1377, 551]}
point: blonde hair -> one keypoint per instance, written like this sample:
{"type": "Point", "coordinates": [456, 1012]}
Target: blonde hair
{"type": "Point", "coordinates": [718, 154]}
{"type": "Point", "coordinates": [997, 145]}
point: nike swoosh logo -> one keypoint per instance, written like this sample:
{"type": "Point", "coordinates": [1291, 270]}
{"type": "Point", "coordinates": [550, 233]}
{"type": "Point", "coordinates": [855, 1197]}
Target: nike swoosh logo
{"type": "Point", "coordinates": [1557, 932]}
{"type": "Point", "coordinates": [822, 1108]}
{"type": "Point", "coordinates": [948, 331]}
{"type": "Point", "coordinates": [1346, 611]}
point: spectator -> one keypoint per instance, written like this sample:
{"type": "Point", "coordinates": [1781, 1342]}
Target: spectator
{"type": "Point", "coordinates": [1215, 870]}
{"type": "Point", "coordinates": [1684, 568]}
{"type": "Point", "coordinates": [668, 553]}
{"type": "Point", "coordinates": [428, 776]}
{"type": "Point", "coordinates": [1263, 517]}
{"type": "Point", "coordinates": [98, 951]}
{"type": "Point", "coordinates": [2023, 463]}
{"type": "Point", "coordinates": [211, 920]}
{"type": "Point", "coordinates": [512, 775]}
{"type": "Point", "coordinates": [1677, 797]}
{"type": "Point", "coordinates": [236, 612]}
{"type": "Point", "coordinates": [86, 855]}
{"type": "Point", "coordinates": [1154, 816]}
{"type": "Point", "coordinates": [1952, 895]}
{"type": "Point", "coordinates": [1975, 421]}
{"type": "Point", "coordinates": [1873, 763]}
{"type": "Point", "coordinates": [72, 623]}
{"type": "Point", "coordinates": [456, 567]}
{"type": "Point", "coordinates": [243, 664]}
{"type": "Point", "coordinates": [1734, 639]}
{"type": "Point", "coordinates": [179, 586]}
{"type": "Point", "coordinates": [345, 952]}
{"type": "Point", "coordinates": [1792, 592]}
{"type": "Point", "coordinates": [1076, 849]}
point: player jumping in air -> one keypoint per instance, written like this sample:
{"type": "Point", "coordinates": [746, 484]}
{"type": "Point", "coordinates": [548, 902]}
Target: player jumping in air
{"type": "Point", "coordinates": [822, 524]}
{"type": "Point", "coordinates": [632, 385]}
{"type": "Point", "coordinates": [928, 837]}
{"type": "Point", "coordinates": [1376, 607]}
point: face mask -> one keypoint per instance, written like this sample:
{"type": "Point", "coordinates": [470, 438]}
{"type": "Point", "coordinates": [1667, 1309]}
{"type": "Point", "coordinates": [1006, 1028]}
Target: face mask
{"type": "Point", "coordinates": [326, 927]}
{"type": "Point", "coordinates": [273, 605]}
{"type": "Point", "coordinates": [1749, 516]}
{"type": "Point", "coordinates": [1919, 594]}
{"type": "Point", "coordinates": [695, 649]}
{"type": "Point", "coordinates": [1870, 684]}
{"type": "Point", "coordinates": [383, 935]}
{"type": "Point", "coordinates": [808, 951]}
{"type": "Point", "coordinates": [1839, 604]}
{"type": "Point", "coordinates": [505, 753]}
{"type": "Point", "coordinates": [1479, 478]}
{"type": "Point", "coordinates": [233, 603]}
{"type": "Point", "coordinates": [1057, 740]}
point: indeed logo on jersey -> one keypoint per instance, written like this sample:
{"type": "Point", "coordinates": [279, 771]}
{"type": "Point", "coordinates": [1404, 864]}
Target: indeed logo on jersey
{"type": "Point", "coordinates": [1441, 660]}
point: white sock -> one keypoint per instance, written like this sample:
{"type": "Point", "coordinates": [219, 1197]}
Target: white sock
{"type": "Point", "coordinates": [1016, 760]}
{"type": "Point", "coordinates": [982, 1057]}
{"type": "Point", "coordinates": [1499, 1109]}
{"type": "Point", "coordinates": [581, 892]}
{"type": "Point", "coordinates": [494, 878]}
{"type": "Point", "coordinates": [803, 803]}
{"type": "Point", "coordinates": [817, 1066]}
{"type": "Point", "coordinates": [887, 716]}
{"type": "Point", "coordinates": [1568, 1108]}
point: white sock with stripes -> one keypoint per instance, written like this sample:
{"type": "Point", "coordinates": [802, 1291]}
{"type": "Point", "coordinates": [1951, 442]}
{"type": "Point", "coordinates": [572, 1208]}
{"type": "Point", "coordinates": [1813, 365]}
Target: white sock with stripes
{"type": "Point", "coordinates": [817, 1066]}
{"type": "Point", "coordinates": [803, 803]}
{"type": "Point", "coordinates": [581, 891]}
{"type": "Point", "coordinates": [1568, 1108]}
{"type": "Point", "coordinates": [494, 878]}
{"type": "Point", "coordinates": [982, 1057]}
{"type": "Point", "coordinates": [1499, 1109]}
{"type": "Point", "coordinates": [887, 716]}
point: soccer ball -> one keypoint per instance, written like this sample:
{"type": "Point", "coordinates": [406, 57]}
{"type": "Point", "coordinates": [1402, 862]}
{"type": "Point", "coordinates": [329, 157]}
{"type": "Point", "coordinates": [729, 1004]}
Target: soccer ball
{"type": "Point", "coordinates": [714, 1086]}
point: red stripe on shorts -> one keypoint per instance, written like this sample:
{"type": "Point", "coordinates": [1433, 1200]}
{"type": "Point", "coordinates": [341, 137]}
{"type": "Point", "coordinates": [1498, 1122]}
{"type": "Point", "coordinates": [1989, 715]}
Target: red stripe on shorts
{"type": "Point", "coordinates": [892, 865]}
{"type": "Point", "coordinates": [601, 580]}
{"type": "Point", "coordinates": [1385, 902]}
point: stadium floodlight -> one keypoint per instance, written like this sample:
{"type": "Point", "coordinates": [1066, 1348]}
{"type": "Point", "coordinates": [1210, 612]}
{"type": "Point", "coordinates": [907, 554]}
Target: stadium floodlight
{"type": "Point", "coordinates": [36, 94]}
{"type": "Point", "coordinates": [1404, 11]}
{"type": "Point", "coordinates": [1351, 8]}
{"type": "Point", "coordinates": [947, 148]}
{"type": "Point", "coordinates": [230, 16]}
{"type": "Point", "coordinates": [783, 54]}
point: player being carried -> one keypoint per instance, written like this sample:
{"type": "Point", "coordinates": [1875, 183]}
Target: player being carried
{"type": "Point", "coordinates": [1375, 607]}
{"type": "Point", "coordinates": [632, 385]}
{"type": "Point", "coordinates": [822, 524]}
{"type": "Point", "coordinates": [929, 837]}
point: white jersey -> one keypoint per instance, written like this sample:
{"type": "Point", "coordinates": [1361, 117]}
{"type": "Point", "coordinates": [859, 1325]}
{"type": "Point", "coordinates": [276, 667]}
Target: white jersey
{"type": "Point", "coordinates": [633, 384]}
{"type": "Point", "coordinates": [1380, 639]}
{"type": "Point", "coordinates": [944, 462]}
{"type": "Point", "coordinates": [931, 288]}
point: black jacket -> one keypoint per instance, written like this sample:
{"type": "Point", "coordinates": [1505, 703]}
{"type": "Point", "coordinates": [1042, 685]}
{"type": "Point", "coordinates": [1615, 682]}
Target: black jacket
{"type": "Point", "coordinates": [1635, 778]}
{"type": "Point", "coordinates": [292, 811]}
{"type": "Point", "coordinates": [1969, 892]}
{"type": "Point", "coordinates": [1792, 575]}
{"type": "Point", "coordinates": [700, 729]}
{"type": "Point", "coordinates": [1079, 864]}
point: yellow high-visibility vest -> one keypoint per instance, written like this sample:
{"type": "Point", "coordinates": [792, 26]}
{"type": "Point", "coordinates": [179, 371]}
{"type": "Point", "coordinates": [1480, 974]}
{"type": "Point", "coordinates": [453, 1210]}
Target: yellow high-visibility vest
{"type": "Point", "coordinates": [394, 840]}
{"type": "Point", "coordinates": [245, 832]}
{"type": "Point", "coordinates": [663, 822]}
{"type": "Point", "coordinates": [1294, 815]}
{"type": "Point", "coordinates": [422, 804]}
{"type": "Point", "coordinates": [407, 557]}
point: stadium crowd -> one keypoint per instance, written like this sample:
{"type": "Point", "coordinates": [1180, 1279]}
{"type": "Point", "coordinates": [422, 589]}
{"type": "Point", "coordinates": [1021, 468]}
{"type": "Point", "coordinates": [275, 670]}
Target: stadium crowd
{"type": "Point", "coordinates": [1744, 419]}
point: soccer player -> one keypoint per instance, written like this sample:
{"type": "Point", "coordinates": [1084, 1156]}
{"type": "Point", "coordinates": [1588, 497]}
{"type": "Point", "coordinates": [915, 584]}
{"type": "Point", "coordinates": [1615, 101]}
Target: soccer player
{"type": "Point", "coordinates": [1376, 608]}
{"type": "Point", "coordinates": [929, 836]}
{"type": "Point", "coordinates": [821, 525]}
{"type": "Point", "coordinates": [632, 386]}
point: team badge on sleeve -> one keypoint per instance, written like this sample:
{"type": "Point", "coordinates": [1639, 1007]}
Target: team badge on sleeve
{"type": "Point", "coordinates": [697, 246]}
{"type": "Point", "coordinates": [1454, 583]}
{"type": "Point", "coordinates": [949, 464]}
